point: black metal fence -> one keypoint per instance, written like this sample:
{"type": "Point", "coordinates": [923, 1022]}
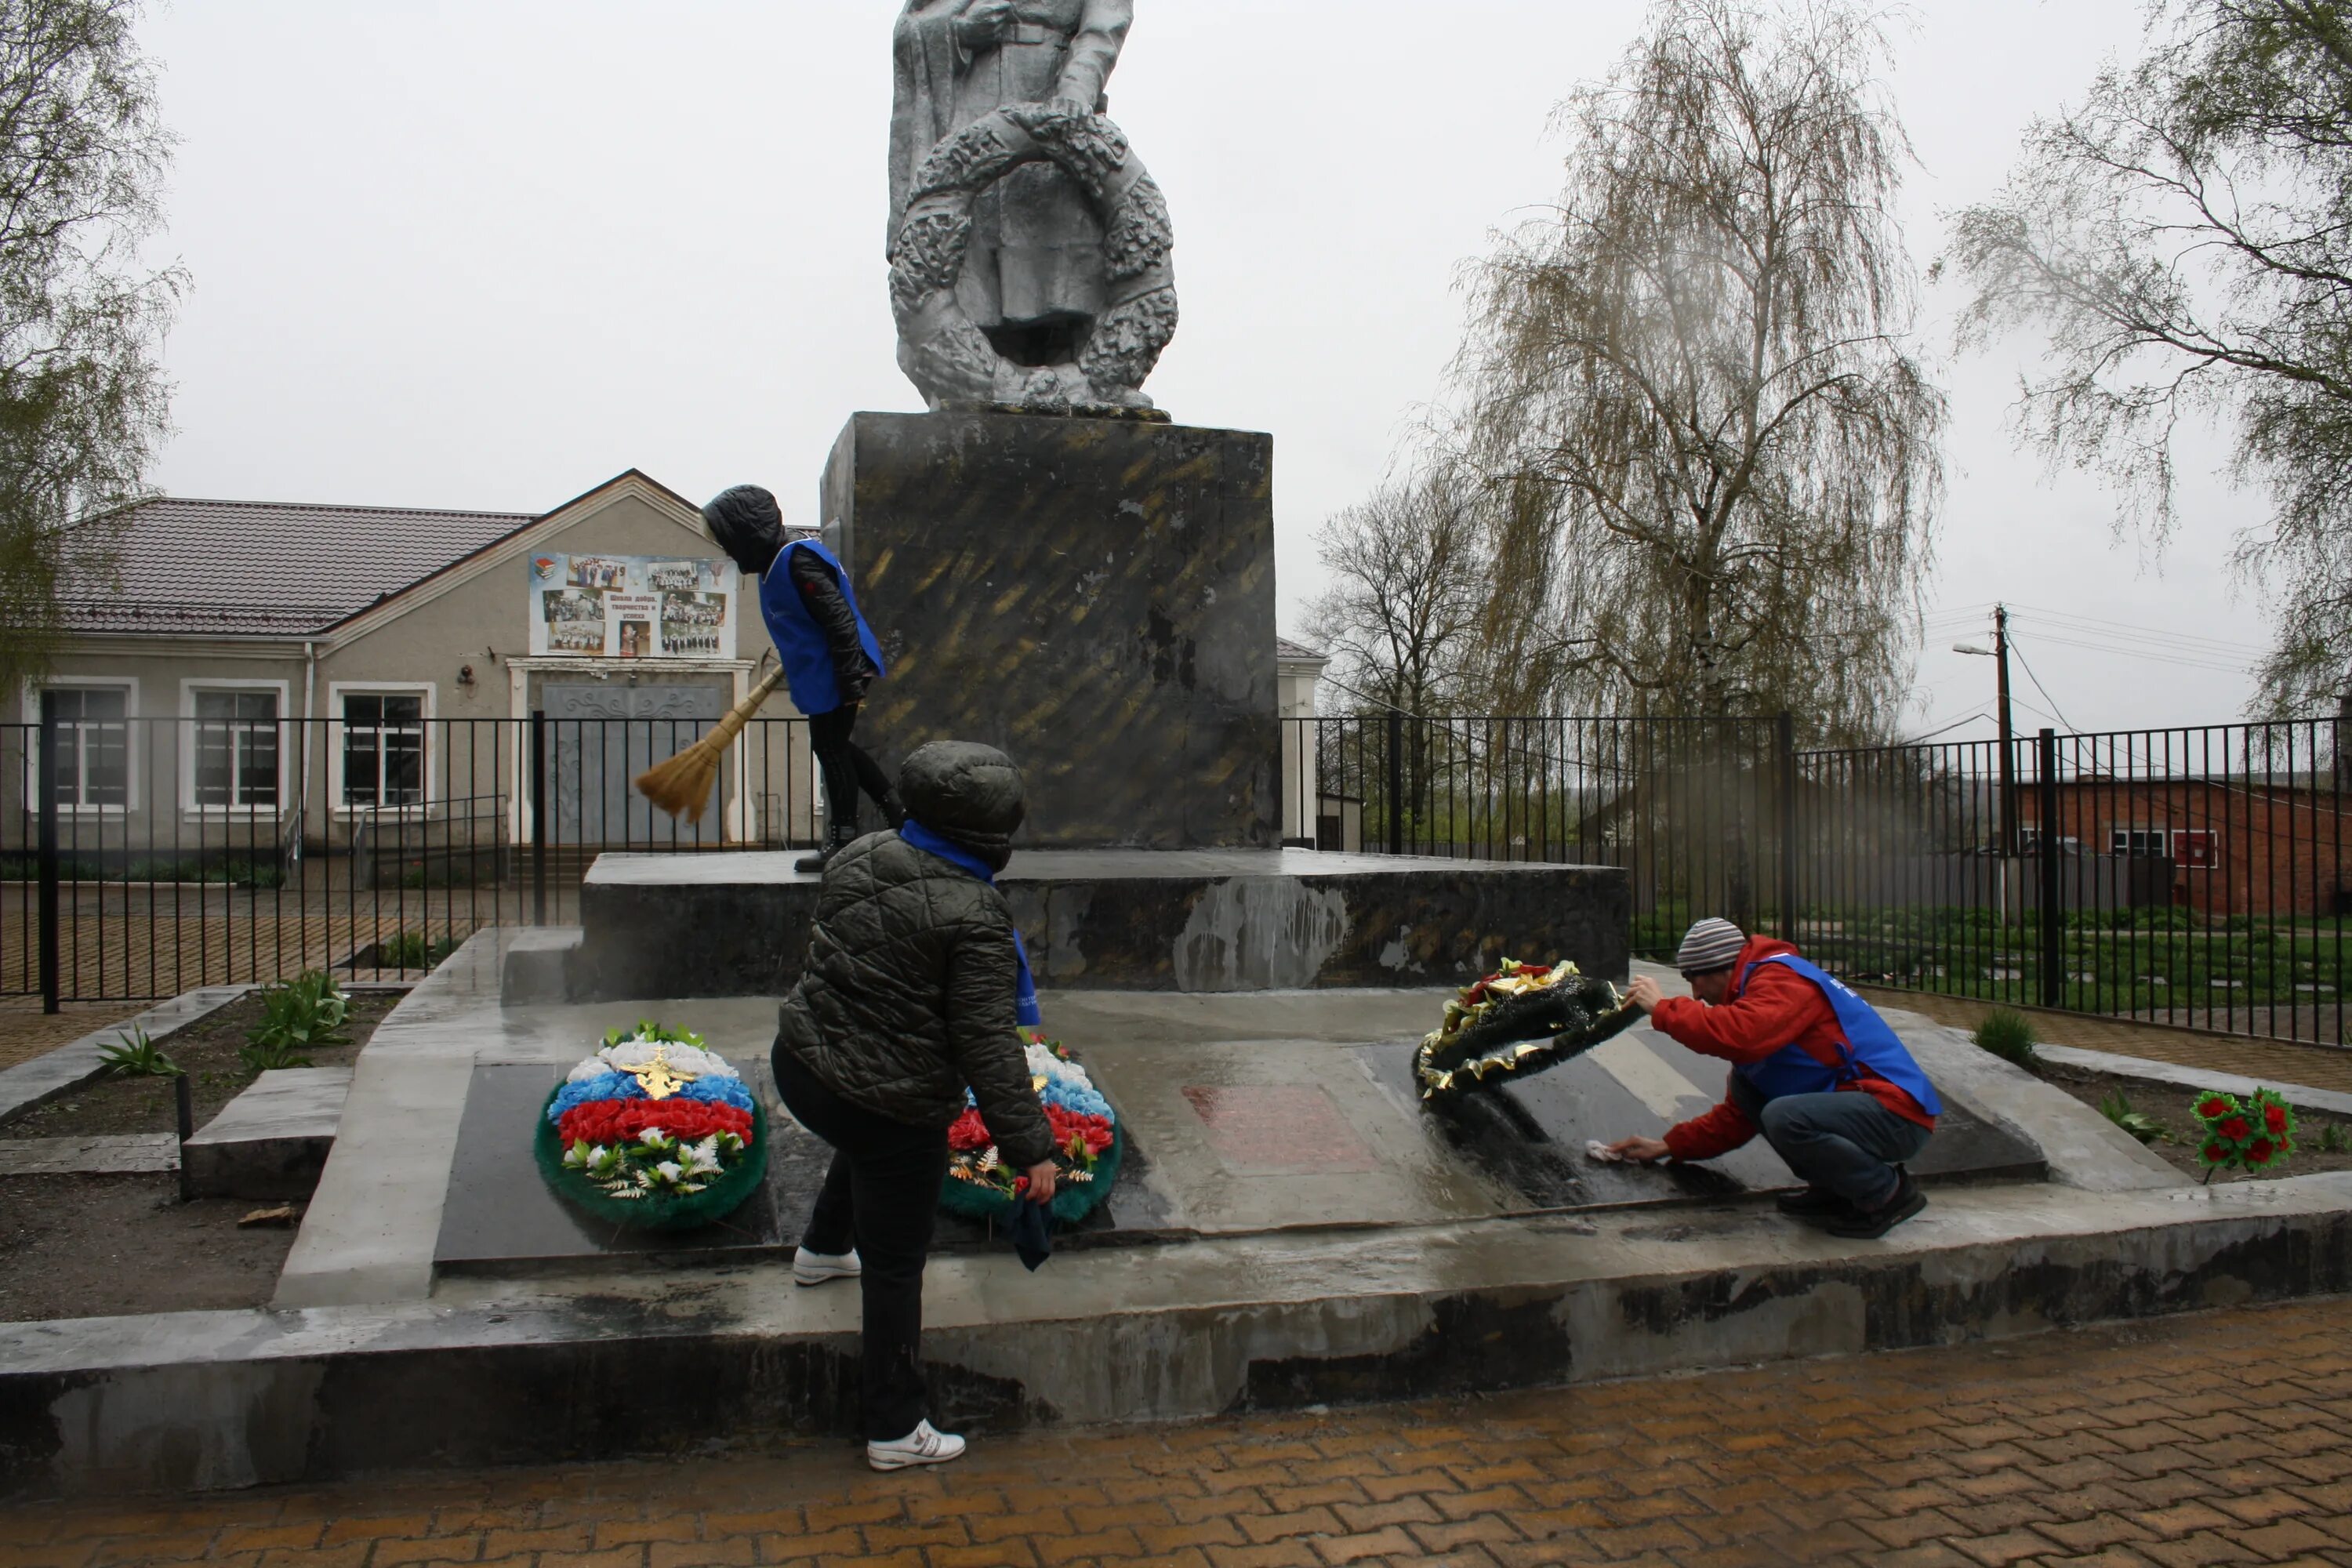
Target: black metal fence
{"type": "Point", "coordinates": [2192, 875]}
{"type": "Point", "coordinates": [142, 858]}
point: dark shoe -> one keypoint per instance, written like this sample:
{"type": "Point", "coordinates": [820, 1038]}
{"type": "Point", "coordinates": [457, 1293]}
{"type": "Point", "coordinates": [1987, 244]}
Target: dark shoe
{"type": "Point", "coordinates": [1813, 1203]}
{"type": "Point", "coordinates": [894, 810]}
{"type": "Point", "coordinates": [1869, 1225]}
{"type": "Point", "coordinates": [842, 838]}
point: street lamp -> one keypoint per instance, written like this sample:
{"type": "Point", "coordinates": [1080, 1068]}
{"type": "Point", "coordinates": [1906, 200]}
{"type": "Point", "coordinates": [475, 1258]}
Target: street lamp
{"type": "Point", "coordinates": [1999, 651]}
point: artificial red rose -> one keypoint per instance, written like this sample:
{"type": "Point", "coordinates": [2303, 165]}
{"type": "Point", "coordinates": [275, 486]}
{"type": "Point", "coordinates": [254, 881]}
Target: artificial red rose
{"type": "Point", "coordinates": [2213, 1107]}
{"type": "Point", "coordinates": [1094, 1129]}
{"type": "Point", "coordinates": [2275, 1117]}
{"type": "Point", "coordinates": [2215, 1152]}
{"type": "Point", "coordinates": [2260, 1152]}
{"type": "Point", "coordinates": [611, 1122]}
{"type": "Point", "coordinates": [2235, 1130]}
{"type": "Point", "coordinates": [969, 1134]}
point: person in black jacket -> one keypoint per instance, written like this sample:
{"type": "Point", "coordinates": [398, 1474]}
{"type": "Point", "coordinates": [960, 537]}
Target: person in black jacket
{"type": "Point", "coordinates": [830, 654]}
{"type": "Point", "coordinates": [907, 996]}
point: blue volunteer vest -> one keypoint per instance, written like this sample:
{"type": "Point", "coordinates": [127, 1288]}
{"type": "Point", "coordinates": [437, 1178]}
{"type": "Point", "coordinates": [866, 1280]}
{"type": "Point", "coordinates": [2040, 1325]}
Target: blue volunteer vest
{"type": "Point", "coordinates": [1869, 1043]}
{"type": "Point", "coordinates": [800, 641]}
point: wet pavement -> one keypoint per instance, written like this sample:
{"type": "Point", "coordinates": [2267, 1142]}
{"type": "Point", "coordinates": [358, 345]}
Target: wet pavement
{"type": "Point", "coordinates": [2223, 1437]}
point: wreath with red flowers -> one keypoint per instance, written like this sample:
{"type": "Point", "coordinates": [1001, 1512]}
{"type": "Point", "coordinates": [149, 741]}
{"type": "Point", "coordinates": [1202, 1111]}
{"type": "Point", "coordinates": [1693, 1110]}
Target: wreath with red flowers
{"type": "Point", "coordinates": [2255, 1133]}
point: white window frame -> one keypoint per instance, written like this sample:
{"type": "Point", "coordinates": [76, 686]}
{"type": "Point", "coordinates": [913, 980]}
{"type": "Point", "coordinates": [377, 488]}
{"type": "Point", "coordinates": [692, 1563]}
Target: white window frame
{"type": "Point", "coordinates": [2212, 837]}
{"type": "Point", "coordinates": [286, 747]}
{"type": "Point", "coordinates": [338, 689]}
{"type": "Point", "coordinates": [126, 684]}
{"type": "Point", "coordinates": [2152, 843]}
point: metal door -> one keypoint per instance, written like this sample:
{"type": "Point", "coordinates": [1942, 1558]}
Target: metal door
{"type": "Point", "coordinates": [604, 735]}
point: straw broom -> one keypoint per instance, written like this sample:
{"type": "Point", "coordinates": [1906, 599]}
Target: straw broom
{"type": "Point", "coordinates": [681, 786]}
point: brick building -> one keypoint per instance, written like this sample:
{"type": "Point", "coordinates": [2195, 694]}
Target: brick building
{"type": "Point", "coordinates": [2256, 842]}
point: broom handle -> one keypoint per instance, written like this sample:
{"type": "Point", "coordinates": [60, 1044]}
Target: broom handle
{"type": "Point", "coordinates": [723, 736]}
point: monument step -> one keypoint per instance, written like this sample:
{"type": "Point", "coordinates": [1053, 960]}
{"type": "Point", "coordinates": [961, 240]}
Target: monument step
{"type": "Point", "coordinates": [272, 1140]}
{"type": "Point", "coordinates": [199, 1400]}
{"type": "Point", "coordinates": [1189, 920]}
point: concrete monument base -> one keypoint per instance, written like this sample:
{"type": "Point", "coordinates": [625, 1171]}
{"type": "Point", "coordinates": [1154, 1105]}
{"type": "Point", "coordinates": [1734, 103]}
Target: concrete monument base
{"type": "Point", "coordinates": [1095, 597]}
{"type": "Point", "coordinates": [1205, 921]}
{"type": "Point", "coordinates": [1298, 1230]}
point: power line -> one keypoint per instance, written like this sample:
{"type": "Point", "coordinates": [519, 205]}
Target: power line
{"type": "Point", "coordinates": [2094, 623]}
{"type": "Point", "coordinates": [2063, 721]}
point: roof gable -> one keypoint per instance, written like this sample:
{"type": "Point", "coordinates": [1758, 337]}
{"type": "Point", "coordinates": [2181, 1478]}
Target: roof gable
{"type": "Point", "coordinates": [187, 567]}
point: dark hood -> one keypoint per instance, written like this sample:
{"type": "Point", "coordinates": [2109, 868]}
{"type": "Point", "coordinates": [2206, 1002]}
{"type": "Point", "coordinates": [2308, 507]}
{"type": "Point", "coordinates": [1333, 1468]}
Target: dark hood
{"type": "Point", "coordinates": [748, 524]}
{"type": "Point", "coordinates": [967, 792]}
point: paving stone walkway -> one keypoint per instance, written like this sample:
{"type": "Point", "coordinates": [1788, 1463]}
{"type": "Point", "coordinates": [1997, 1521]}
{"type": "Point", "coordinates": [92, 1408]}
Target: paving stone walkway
{"type": "Point", "coordinates": [2216, 1438]}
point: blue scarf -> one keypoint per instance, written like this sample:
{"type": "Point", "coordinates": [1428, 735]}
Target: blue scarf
{"type": "Point", "coordinates": [1025, 987]}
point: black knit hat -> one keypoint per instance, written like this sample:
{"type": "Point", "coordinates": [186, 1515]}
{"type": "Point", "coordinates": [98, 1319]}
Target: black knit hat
{"type": "Point", "coordinates": [748, 524]}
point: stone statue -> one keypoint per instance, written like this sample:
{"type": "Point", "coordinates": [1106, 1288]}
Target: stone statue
{"type": "Point", "coordinates": [1029, 249]}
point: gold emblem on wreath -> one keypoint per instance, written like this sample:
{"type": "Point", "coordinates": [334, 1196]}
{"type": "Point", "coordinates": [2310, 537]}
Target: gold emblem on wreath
{"type": "Point", "coordinates": [659, 1078]}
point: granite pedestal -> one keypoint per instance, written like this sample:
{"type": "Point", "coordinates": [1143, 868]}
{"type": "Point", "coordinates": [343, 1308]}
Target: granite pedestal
{"type": "Point", "coordinates": [1095, 597]}
{"type": "Point", "coordinates": [1204, 920]}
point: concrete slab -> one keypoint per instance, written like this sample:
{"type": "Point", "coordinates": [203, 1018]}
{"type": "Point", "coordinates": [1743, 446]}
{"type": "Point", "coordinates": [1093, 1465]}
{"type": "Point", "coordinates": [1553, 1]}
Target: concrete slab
{"type": "Point", "coordinates": [133, 1153]}
{"type": "Point", "coordinates": [1211, 921]}
{"type": "Point", "coordinates": [2301, 1095]}
{"type": "Point", "coordinates": [272, 1140]}
{"type": "Point", "coordinates": [1275, 1320]}
{"type": "Point", "coordinates": [70, 1066]}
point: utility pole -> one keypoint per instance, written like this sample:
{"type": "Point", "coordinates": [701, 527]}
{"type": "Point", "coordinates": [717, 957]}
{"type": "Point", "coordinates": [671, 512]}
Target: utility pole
{"type": "Point", "coordinates": [2008, 750]}
{"type": "Point", "coordinates": [1998, 653]}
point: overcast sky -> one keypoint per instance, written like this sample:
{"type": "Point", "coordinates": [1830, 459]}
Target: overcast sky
{"type": "Point", "coordinates": [488, 253]}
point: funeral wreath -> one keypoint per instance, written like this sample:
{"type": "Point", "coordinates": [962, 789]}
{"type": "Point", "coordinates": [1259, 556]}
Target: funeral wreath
{"type": "Point", "coordinates": [655, 1131]}
{"type": "Point", "coordinates": [1086, 1154]}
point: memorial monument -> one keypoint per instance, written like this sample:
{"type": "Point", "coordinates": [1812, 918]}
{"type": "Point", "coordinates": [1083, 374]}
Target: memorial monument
{"type": "Point", "coordinates": [1055, 568]}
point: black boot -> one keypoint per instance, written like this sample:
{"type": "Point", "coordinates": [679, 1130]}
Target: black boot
{"type": "Point", "coordinates": [894, 809]}
{"type": "Point", "coordinates": [843, 835]}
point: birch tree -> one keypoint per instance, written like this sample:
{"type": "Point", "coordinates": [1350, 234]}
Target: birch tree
{"type": "Point", "coordinates": [82, 393]}
{"type": "Point", "coordinates": [1710, 458]}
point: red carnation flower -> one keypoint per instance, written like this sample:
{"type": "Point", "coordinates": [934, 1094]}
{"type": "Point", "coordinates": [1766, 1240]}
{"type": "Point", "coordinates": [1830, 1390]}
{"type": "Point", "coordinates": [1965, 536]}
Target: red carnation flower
{"type": "Point", "coordinates": [2275, 1117]}
{"type": "Point", "coordinates": [2213, 1106]}
{"type": "Point", "coordinates": [2235, 1130]}
{"type": "Point", "coordinates": [612, 1121]}
{"type": "Point", "coordinates": [2260, 1153]}
{"type": "Point", "coordinates": [970, 1133]}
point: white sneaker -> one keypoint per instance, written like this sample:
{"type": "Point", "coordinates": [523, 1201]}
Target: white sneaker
{"type": "Point", "coordinates": [816, 1268]}
{"type": "Point", "coordinates": [922, 1446]}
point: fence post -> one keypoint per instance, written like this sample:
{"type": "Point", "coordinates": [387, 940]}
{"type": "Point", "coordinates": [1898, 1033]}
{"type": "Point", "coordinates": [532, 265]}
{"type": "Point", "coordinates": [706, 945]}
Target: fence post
{"type": "Point", "coordinates": [2053, 918]}
{"type": "Point", "coordinates": [47, 783]}
{"type": "Point", "coordinates": [1396, 782]}
{"type": "Point", "coordinates": [1784, 741]}
{"type": "Point", "coordinates": [537, 817]}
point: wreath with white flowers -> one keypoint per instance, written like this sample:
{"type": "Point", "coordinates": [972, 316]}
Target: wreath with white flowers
{"type": "Point", "coordinates": [655, 1131]}
{"type": "Point", "coordinates": [1089, 1145]}
{"type": "Point", "coordinates": [940, 348]}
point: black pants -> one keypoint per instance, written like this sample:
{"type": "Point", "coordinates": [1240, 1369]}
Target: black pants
{"type": "Point", "coordinates": [879, 1195]}
{"type": "Point", "coordinates": [847, 768]}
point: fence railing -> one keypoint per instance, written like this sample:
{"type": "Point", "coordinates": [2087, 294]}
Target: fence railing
{"type": "Point", "coordinates": [2190, 876]}
{"type": "Point", "coordinates": [142, 858]}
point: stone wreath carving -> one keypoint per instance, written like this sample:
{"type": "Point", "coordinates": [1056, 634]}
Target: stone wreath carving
{"type": "Point", "coordinates": [948, 357]}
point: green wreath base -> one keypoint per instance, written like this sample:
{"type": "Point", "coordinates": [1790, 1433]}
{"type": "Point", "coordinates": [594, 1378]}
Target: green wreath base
{"type": "Point", "coordinates": [687, 1211]}
{"type": "Point", "coordinates": [1073, 1201]}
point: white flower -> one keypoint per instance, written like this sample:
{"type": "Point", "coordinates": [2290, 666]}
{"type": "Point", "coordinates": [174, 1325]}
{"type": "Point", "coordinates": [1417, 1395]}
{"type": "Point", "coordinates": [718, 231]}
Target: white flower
{"type": "Point", "coordinates": [687, 1061]}
{"type": "Point", "coordinates": [668, 1171]}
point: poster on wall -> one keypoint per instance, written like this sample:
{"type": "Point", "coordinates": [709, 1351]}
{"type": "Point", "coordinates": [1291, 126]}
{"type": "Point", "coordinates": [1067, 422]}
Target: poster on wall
{"type": "Point", "coordinates": [632, 607]}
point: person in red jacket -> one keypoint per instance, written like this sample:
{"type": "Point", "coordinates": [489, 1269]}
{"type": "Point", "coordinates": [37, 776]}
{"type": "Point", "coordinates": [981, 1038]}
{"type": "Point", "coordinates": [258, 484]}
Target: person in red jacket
{"type": "Point", "coordinates": [1813, 1068]}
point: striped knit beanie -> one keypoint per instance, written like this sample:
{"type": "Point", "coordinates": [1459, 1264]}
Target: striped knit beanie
{"type": "Point", "coordinates": [1710, 944]}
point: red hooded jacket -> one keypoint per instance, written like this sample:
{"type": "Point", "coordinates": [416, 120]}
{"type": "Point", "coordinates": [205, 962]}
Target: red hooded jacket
{"type": "Point", "coordinates": [1779, 1008]}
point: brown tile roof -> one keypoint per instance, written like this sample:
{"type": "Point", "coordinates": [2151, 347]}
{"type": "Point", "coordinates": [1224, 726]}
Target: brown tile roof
{"type": "Point", "coordinates": [228, 568]}
{"type": "Point", "coordinates": [1284, 649]}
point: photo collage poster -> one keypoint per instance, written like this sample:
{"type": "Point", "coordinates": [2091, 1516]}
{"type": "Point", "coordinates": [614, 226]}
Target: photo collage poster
{"type": "Point", "coordinates": [632, 607]}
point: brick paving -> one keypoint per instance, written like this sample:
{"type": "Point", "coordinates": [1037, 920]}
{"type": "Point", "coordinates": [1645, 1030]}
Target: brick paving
{"type": "Point", "coordinates": [2275, 1061]}
{"type": "Point", "coordinates": [2218, 1438]}
{"type": "Point", "coordinates": [26, 1032]}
